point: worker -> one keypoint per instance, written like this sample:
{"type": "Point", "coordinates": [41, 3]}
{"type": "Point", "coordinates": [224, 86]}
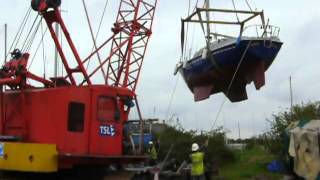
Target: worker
{"type": "Point", "coordinates": [197, 161]}
{"type": "Point", "coordinates": [152, 153]}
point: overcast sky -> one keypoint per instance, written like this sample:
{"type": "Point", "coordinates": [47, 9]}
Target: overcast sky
{"type": "Point", "coordinates": [300, 26]}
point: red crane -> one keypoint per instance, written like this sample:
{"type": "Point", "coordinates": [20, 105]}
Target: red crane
{"type": "Point", "coordinates": [70, 120]}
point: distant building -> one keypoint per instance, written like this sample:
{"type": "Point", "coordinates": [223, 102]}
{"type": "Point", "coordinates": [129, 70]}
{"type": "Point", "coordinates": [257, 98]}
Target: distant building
{"type": "Point", "coordinates": [237, 146]}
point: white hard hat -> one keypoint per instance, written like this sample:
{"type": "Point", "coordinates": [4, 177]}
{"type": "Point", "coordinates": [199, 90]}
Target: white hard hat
{"type": "Point", "coordinates": [150, 142]}
{"type": "Point", "coordinates": [195, 147]}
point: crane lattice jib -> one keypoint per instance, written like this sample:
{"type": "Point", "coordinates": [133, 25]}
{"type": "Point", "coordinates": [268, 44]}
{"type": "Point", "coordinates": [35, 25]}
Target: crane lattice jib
{"type": "Point", "coordinates": [132, 32]}
{"type": "Point", "coordinates": [129, 41]}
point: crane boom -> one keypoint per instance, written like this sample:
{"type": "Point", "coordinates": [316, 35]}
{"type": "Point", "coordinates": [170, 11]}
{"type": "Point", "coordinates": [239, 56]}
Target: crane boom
{"type": "Point", "coordinates": [133, 27]}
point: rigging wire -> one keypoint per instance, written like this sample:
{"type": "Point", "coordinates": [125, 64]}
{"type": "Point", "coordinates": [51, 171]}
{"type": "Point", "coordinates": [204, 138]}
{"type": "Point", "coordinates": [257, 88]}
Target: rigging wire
{"type": "Point", "coordinates": [93, 39]}
{"type": "Point", "coordinates": [33, 36]}
{"type": "Point", "coordinates": [99, 28]}
{"type": "Point", "coordinates": [27, 40]}
{"type": "Point", "coordinates": [247, 2]}
{"type": "Point", "coordinates": [2, 29]}
{"type": "Point", "coordinates": [183, 56]}
{"type": "Point", "coordinates": [38, 47]}
{"type": "Point", "coordinates": [234, 7]}
{"type": "Point", "coordinates": [172, 97]}
{"type": "Point", "coordinates": [19, 32]}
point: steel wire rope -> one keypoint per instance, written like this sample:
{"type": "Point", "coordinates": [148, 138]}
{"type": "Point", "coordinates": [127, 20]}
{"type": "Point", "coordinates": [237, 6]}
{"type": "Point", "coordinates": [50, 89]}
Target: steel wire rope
{"type": "Point", "coordinates": [93, 39]}
{"type": "Point", "coordinates": [19, 32]}
{"type": "Point", "coordinates": [193, 29]}
{"type": "Point", "coordinates": [27, 40]}
{"type": "Point", "coordinates": [99, 28]}
{"type": "Point", "coordinates": [32, 38]}
{"type": "Point", "coordinates": [248, 4]}
{"type": "Point", "coordinates": [234, 7]}
{"type": "Point", "coordinates": [182, 58]}
{"type": "Point", "coordinates": [38, 47]}
{"type": "Point", "coordinates": [2, 29]}
{"type": "Point", "coordinates": [229, 87]}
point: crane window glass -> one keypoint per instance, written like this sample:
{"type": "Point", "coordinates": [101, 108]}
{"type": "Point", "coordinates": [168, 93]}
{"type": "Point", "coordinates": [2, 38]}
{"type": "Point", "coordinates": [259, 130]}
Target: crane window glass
{"type": "Point", "coordinates": [76, 117]}
{"type": "Point", "coordinates": [106, 109]}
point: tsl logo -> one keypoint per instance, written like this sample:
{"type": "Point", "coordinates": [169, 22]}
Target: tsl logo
{"type": "Point", "coordinates": [107, 130]}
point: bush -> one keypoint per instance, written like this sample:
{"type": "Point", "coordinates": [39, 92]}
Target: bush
{"type": "Point", "coordinates": [216, 152]}
{"type": "Point", "coordinates": [276, 140]}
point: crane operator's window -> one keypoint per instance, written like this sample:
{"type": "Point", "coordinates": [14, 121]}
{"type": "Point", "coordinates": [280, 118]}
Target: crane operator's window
{"type": "Point", "coordinates": [76, 117]}
{"type": "Point", "coordinates": [106, 109]}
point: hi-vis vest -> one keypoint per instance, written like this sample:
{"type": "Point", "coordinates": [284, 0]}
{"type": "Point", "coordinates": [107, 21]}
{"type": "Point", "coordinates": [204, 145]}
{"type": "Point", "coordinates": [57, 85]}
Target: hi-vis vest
{"type": "Point", "coordinates": [197, 164]}
{"type": "Point", "coordinates": [153, 153]}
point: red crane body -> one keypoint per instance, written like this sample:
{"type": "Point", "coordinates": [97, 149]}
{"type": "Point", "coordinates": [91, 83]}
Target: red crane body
{"type": "Point", "coordinates": [84, 121]}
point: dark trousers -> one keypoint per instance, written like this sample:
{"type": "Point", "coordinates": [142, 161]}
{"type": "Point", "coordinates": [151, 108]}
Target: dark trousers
{"type": "Point", "coordinates": [198, 177]}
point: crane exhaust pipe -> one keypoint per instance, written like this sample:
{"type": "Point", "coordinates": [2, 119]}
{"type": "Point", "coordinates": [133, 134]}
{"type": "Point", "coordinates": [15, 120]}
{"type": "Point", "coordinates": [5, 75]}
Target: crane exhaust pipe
{"type": "Point", "coordinates": [43, 5]}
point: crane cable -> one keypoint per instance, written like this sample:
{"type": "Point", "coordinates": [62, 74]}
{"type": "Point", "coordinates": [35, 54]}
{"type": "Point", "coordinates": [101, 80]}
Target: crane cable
{"type": "Point", "coordinates": [38, 47]}
{"type": "Point", "coordinates": [33, 36]}
{"type": "Point", "coordinates": [19, 32]}
{"type": "Point", "coordinates": [27, 40]}
{"type": "Point", "coordinates": [99, 28]}
{"type": "Point", "coordinates": [93, 38]}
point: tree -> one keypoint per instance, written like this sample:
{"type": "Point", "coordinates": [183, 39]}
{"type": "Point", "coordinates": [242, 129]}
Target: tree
{"type": "Point", "coordinates": [275, 139]}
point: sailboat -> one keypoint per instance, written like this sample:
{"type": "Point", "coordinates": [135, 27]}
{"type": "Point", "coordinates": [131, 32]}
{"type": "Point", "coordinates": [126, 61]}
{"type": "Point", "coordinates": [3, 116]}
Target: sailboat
{"type": "Point", "coordinates": [228, 63]}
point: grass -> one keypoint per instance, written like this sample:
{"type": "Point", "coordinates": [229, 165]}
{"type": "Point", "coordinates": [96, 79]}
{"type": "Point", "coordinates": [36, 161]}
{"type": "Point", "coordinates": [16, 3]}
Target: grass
{"type": "Point", "coordinates": [249, 164]}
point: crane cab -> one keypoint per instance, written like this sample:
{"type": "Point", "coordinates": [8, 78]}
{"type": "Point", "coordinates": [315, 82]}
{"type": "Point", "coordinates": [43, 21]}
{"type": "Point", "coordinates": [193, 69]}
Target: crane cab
{"type": "Point", "coordinates": [80, 121]}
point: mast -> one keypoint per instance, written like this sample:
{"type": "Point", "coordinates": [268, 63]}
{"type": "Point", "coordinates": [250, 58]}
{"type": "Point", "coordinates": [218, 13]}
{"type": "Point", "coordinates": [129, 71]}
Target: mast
{"type": "Point", "coordinates": [291, 98]}
{"type": "Point", "coordinates": [207, 6]}
{"type": "Point", "coordinates": [5, 41]}
{"type": "Point", "coordinates": [56, 55]}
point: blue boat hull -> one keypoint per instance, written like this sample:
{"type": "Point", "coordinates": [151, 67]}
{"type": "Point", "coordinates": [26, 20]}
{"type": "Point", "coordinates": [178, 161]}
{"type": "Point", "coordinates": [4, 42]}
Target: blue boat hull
{"type": "Point", "coordinates": [206, 76]}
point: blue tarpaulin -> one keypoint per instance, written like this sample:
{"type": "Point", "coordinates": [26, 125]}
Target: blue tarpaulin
{"type": "Point", "coordinates": [275, 166]}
